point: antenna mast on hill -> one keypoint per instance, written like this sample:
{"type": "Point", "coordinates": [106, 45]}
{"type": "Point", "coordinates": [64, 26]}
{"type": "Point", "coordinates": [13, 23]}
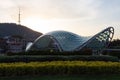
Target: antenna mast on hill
{"type": "Point", "coordinates": [19, 17]}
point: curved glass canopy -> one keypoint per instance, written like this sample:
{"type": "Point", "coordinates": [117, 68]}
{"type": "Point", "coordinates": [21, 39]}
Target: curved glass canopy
{"type": "Point", "coordinates": [67, 41]}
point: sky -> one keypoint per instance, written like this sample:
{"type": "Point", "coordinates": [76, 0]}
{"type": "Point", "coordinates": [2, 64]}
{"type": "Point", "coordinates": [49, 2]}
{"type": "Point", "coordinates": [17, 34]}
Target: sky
{"type": "Point", "coordinates": [83, 17]}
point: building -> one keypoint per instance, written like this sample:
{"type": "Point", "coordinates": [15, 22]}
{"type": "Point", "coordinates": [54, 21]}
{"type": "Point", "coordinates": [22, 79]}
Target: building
{"type": "Point", "coordinates": [63, 41]}
{"type": "Point", "coordinates": [15, 43]}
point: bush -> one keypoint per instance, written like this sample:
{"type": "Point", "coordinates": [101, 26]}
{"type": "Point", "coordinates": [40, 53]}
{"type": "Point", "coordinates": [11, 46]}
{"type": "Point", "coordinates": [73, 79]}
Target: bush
{"type": "Point", "coordinates": [9, 59]}
{"type": "Point", "coordinates": [83, 52]}
{"type": "Point", "coordinates": [112, 53]}
{"type": "Point", "coordinates": [59, 68]}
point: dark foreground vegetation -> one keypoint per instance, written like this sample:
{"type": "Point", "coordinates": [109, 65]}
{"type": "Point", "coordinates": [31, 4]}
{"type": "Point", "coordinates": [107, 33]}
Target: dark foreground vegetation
{"type": "Point", "coordinates": [115, 44]}
{"type": "Point", "coordinates": [72, 77]}
{"type": "Point", "coordinates": [112, 53]}
{"type": "Point", "coordinates": [86, 52]}
{"type": "Point", "coordinates": [42, 58]}
{"type": "Point", "coordinates": [49, 52]}
{"type": "Point", "coordinates": [50, 65]}
{"type": "Point", "coordinates": [64, 68]}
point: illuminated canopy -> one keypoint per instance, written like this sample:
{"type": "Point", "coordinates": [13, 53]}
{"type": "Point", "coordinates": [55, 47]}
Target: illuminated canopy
{"type": "Point", "coordinates": [67, 41]}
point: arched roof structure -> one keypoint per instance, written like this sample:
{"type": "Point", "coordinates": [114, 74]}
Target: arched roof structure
{"type": "Point", "coordinates": [67, 41]}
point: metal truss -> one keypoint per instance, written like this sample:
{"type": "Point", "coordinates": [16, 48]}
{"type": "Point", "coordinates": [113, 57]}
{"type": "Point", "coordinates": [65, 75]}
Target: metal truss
{"type": "Point", "coordinates": [100, 40]}
{"type": "Point", "coordinates": [106, 35]}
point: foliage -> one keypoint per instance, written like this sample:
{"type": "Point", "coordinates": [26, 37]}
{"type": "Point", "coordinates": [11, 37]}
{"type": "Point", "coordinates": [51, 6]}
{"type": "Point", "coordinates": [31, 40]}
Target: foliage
{"type": "Point", "coordinates": [62, 77]}
{"type": "Point", "coordinates": [9, 29]}
{"type": "Point", "coordinates": [59, 68]}
{"type": "Point", "coordinates": [114, 44]}
{"type": "Point", "coordinates": [41, 58]}
{"type": "Point", "coordinates": [83, 52]}
{"type": "Point", "coordinates": [112, 53]}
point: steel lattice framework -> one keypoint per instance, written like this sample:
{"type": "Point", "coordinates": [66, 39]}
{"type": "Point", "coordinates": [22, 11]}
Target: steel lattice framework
{"type": "Point", "coordinates": [67, 41]}
{"type": "Point", "coordinates": [100, 40]}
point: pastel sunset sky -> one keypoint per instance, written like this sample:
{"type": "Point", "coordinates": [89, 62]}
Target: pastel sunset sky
{"type": "Point", "coordinates": [83, 17]}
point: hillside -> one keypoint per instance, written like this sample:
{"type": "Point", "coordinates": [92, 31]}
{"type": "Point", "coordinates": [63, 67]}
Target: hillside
{"type": "Point", "coordinates": [8, 29]}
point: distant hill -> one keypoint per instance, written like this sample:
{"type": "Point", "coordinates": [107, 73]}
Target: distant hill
{"type": "Point", "coordinates": [8, 29]}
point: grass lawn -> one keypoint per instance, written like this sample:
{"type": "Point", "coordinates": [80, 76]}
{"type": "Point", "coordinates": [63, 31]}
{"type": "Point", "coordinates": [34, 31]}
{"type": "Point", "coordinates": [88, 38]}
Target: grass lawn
{"type": "Point", "coordinates": [82, 77]}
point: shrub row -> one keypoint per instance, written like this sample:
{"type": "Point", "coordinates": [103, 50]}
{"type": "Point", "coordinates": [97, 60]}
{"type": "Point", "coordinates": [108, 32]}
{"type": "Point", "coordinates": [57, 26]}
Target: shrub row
{"type": "Point", "coordinates": [83, 52]}
{"type": "Point", "coordinates": [59, 68]}
{"type": "Point", "coordinates": [112, 53]}
{"type": "Point", "coordinates": [8, 59]}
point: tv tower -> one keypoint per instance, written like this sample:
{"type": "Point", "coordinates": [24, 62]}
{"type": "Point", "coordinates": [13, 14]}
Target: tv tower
{"type": "Point", "coordinates": [19, 17]}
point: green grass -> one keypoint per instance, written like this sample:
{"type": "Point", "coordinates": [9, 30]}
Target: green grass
{"type": "Point", "coordinates": [81, 77]}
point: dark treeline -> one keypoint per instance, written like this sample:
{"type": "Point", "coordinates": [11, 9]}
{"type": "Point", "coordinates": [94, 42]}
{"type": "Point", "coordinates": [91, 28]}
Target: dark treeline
{"type": "Point", "coordinates": [114, 44]}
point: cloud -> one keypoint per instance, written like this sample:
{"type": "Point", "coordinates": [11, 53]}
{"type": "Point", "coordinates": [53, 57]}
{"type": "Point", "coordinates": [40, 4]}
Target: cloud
{"type": "Point", "coordinates": [83, 15]}
{"type": "Point", "coordinates": [68, 9]}
{"type": "Point", "coordinates": [51, 9]}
